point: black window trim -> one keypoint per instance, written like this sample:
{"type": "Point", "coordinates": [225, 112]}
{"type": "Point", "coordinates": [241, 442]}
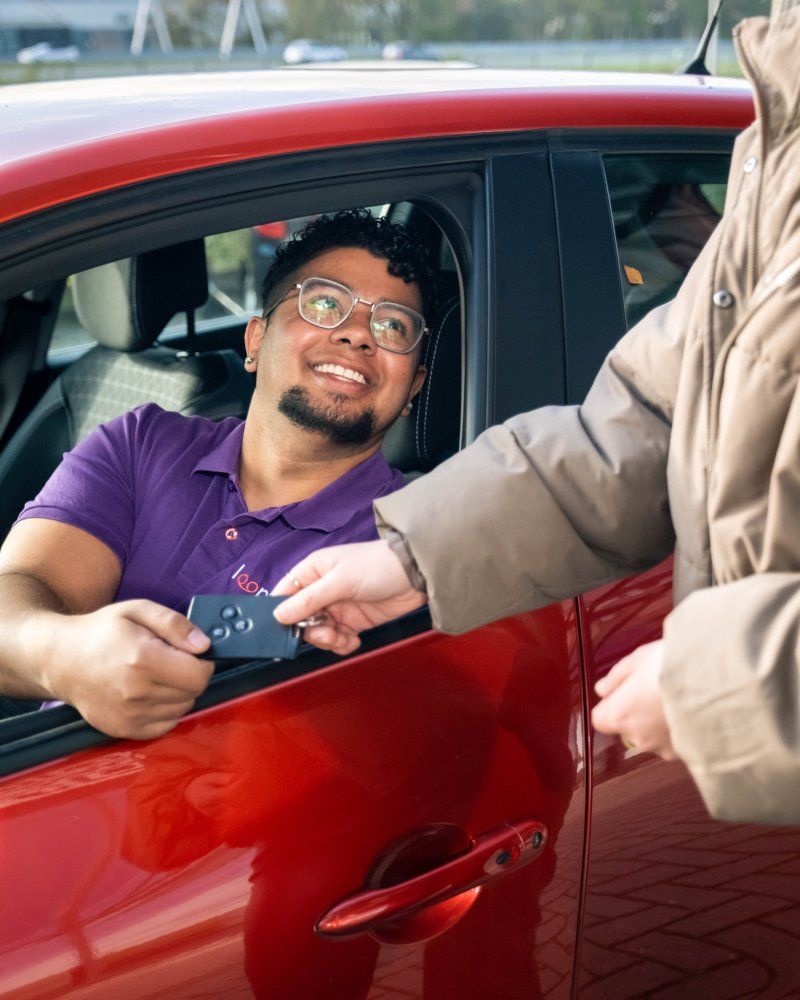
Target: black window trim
{"type": "Point", "coordinates": [594, 321]}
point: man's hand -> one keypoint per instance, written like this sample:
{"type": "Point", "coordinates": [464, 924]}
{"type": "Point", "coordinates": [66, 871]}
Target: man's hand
{"type": "Point", "coordinates": [631, 702]}
{"type": "Point", "coordinates": [130, 669]}
{"type": "Point", "coordinates": [356, 586]}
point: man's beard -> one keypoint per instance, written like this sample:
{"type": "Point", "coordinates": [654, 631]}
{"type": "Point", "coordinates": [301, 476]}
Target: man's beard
{"type": "Point", "coordinates": [340, 428]}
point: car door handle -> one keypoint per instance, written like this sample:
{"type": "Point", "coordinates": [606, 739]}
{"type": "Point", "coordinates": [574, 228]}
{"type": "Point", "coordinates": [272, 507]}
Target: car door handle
{"type": "Point", "coordinates": [492, 854]}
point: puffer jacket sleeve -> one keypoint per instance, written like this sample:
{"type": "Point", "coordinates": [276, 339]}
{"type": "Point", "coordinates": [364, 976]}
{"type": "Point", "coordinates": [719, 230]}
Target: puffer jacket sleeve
{"type": "Point", "coordinates": [559, 500]}
{"type": "Point", "coordinates": [730, 685]}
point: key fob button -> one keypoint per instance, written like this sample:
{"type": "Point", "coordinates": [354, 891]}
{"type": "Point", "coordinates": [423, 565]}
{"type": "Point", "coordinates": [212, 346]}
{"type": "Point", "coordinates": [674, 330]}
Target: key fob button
{"type": "Point", "coordinates": [228, 612]}
{"type": "Point", "coordinates": [243, 625]}
{"type": "Point", "coordinates": [219, 632]}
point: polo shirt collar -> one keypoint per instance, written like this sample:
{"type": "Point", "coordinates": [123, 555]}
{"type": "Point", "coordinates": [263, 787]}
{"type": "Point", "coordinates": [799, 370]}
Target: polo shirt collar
{"type": "Point", "coordinates": [224, 457]}
{"type": "Point", "coordinates": [332, 507]}
{"type": "Point", "coordinates": [339, 501]}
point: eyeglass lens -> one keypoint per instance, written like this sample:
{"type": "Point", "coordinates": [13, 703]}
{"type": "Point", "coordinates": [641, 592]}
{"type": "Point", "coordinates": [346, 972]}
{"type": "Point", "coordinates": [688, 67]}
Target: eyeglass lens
{"type": "Point", "coordinates": [328, 304]}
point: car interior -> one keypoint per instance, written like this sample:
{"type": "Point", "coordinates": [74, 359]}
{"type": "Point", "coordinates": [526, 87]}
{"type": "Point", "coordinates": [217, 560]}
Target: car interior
{"type": "Point", "coordinates": [167, 326]}
{"type": "Point", "coordinates": [664, 209]}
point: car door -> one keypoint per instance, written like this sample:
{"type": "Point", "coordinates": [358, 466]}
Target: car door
{"type": "Point", "coordinates": [405, 822]}
{"type": "Point", "coordinates": [676, 903]}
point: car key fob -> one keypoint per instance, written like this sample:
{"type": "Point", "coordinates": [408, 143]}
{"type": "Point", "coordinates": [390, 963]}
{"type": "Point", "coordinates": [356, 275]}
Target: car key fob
{"type": "Point", "coordinates": [242, 627]}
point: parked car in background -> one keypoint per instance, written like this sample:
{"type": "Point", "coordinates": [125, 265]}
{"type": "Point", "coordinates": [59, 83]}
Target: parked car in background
{"type": "Point", "coordinates": [432, 817]}
{"type": "Point", "coordinates": [408, 50]}
{"type": "Point", "coordinates": [45, 52]}
{"type": "Point", "coordinates": [304, 50]}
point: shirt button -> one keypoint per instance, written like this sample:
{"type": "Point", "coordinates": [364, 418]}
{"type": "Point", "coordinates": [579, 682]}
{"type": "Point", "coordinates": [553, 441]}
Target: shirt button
{"type": "Point", "coordinates": [722, 298]}
{"type": "Point", "coordinates": [750, 164]}
{"type": "Point", "coordinates": [231, 534]}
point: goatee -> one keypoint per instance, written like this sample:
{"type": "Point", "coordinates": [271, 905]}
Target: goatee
{"type": "Point", "coordinates": [339, 427]}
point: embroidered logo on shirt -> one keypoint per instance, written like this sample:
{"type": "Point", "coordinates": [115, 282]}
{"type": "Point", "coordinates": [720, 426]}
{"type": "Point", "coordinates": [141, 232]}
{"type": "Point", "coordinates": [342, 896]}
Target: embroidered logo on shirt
{"type": "Point", "coordinates": [246, 583]}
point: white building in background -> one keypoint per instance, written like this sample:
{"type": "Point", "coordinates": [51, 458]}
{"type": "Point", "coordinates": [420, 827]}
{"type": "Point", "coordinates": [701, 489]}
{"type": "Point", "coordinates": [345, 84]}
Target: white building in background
{"type": "Point", "coordinates": [92, 25]}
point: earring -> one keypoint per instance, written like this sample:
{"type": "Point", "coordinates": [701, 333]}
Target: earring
{"type": "Point", "coordinates": [248, 360]}
{"type": "Point", "coordinates": [409, 406]}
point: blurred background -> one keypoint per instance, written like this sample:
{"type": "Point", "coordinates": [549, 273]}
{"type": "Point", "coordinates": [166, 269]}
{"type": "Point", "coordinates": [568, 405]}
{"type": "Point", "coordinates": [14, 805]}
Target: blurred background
{"type": "Point", "coordinates": [54, 39]}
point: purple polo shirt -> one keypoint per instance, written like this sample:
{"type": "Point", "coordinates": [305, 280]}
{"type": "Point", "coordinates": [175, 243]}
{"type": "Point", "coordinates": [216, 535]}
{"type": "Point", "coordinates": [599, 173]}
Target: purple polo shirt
{"type": "Point", "coordinates": [161, 490]}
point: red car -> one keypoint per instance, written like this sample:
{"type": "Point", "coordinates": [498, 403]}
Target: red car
{"type": "Point", "coordinates": [432, 817]}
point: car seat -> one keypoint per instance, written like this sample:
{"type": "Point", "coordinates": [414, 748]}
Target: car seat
{"type": "Point", "coordinates": [124, 306]}
{"type": "Point", "coordinates": [431, 433]}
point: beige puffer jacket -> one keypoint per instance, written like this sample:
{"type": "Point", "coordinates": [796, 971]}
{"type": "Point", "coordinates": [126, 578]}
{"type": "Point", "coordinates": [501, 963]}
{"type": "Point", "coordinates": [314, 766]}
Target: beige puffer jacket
{"type": "Point", "coordinates": [690, 436]}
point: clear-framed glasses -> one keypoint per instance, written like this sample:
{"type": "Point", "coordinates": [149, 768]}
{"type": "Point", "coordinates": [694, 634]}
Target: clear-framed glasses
{"type": "Point", "coordinates": [327, 304]}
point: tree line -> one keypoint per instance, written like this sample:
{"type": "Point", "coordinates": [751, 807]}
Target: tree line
{"type": "Point", "coordinates": [364, 22]}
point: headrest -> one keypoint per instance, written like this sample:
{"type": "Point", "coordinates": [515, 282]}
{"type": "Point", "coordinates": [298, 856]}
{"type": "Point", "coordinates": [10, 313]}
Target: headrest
{"type": "Point", "coordinates": [126, 304]}
{"type": "Point", "coordinates": [431, 432]}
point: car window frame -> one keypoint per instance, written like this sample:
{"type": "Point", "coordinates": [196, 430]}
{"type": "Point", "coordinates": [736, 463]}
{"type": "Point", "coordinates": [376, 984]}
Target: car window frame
{"type": "Point", "coordinates": [596, 319]}
{"type": "Point", "coordinates": [453, 180]}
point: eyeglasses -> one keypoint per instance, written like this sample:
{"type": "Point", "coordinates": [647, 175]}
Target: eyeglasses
{"type": "Point", "coordinates": [328, 304]}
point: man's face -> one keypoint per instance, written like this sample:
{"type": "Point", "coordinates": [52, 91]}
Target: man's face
{"type": "Point", "coordinates": [338, 382]}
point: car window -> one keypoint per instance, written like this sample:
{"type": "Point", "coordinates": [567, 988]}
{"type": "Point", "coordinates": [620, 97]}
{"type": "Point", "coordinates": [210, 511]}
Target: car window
{"type": "Point", "coordinates": [94, 387]}
{"type": "Point", "coordinates": [237, 262]}
{"type": "Point", "coordinates": [664, 209]}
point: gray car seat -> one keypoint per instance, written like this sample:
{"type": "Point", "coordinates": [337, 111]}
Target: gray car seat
{"type": "Point", "coordinates": [125, 306]}
{"type": "Point", "coordinates": [415, 444]}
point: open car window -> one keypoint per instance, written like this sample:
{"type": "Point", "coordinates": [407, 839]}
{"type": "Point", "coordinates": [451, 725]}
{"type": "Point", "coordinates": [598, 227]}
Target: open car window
{"type": "Point", "coordinates": [99, 384]}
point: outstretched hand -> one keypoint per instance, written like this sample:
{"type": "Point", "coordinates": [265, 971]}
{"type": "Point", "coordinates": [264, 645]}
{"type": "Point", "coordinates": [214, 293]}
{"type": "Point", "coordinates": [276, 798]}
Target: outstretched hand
{"type": "Point", "coordinates": [355, 586]}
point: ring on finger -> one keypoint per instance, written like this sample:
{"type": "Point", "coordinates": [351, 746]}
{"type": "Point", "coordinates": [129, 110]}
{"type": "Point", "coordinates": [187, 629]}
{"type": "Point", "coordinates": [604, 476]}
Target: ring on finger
{"type": "Point", "coordinates": [297, 583]}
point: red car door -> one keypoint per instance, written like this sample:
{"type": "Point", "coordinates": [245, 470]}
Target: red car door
{"type": "Point", "coordinates": [202, 863]}
{"type": "Point", "coordinates": [677, 904]}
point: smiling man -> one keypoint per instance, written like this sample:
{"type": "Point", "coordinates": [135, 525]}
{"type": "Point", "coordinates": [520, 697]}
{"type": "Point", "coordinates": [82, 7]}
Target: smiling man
{"type": "Point", "coordinates": [154, 507]}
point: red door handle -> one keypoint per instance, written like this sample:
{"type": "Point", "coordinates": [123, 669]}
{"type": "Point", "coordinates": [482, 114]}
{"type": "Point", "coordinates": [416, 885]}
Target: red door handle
{"type": "Point", "coordinates": [505, 849]}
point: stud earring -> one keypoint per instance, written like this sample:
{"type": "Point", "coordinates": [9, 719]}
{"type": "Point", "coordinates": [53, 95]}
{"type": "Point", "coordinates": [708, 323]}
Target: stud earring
{"type": "Point", "coordinates": [248, 360]}
{"type": "Point", "coordinates": [409, 406]}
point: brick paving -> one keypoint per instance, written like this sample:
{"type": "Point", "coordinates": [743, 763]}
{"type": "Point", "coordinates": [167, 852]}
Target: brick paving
{"type": "Point", "coordinates": [681, 907]}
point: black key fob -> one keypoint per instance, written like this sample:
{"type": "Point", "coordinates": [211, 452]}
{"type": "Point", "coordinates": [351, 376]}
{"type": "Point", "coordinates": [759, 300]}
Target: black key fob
{"type": "Point", "coordinates": [242, 627]}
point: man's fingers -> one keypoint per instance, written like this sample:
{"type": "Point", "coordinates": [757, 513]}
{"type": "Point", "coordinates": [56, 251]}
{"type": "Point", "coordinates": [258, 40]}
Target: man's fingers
{"type": "Point", "coordinates": [161, 665]}
{"type": "Point", "coordinates": [171, 669]}
{"type": "Point", "coordinates": [171, 626]}
{"type": "Point", "coordinates": [164, 711]}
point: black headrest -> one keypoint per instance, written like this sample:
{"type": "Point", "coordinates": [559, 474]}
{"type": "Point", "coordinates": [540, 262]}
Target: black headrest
{"type": "Point", "coordinates": [431, 433]}
{"type": "Point", "coordinates": [126, 304]}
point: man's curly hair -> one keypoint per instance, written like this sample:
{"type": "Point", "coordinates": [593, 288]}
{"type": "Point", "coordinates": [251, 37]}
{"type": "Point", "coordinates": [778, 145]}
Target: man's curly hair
{"type": "Point", "coordinates": [407, 257]}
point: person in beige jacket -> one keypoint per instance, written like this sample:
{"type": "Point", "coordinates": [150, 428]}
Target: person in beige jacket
{"type": "Point", "coordinates": [689, 438]}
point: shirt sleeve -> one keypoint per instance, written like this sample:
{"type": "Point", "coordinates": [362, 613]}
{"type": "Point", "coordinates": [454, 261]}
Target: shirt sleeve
{"type": "Point", "coordinates": [94, 487]}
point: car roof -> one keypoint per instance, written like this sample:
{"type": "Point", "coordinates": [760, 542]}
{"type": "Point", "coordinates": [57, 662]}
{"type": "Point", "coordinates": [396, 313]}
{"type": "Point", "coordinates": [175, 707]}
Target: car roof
{"type": "Point", "coordinates": [68, 139]}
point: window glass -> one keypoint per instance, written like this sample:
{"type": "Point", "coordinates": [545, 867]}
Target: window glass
{"type": "Point", "coordinates": [664, 209]}
{"type": "Point", "coordinates": [237, 263]}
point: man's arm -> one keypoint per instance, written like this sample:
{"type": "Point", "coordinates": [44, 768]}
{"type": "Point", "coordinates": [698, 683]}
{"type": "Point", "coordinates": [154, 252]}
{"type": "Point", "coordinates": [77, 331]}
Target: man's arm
{"type": "Point", "coordinates": [128, 668]}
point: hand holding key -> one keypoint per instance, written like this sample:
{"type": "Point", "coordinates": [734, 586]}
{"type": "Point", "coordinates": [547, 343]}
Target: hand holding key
{"type": "Point", "coordinates": [355, 586]}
